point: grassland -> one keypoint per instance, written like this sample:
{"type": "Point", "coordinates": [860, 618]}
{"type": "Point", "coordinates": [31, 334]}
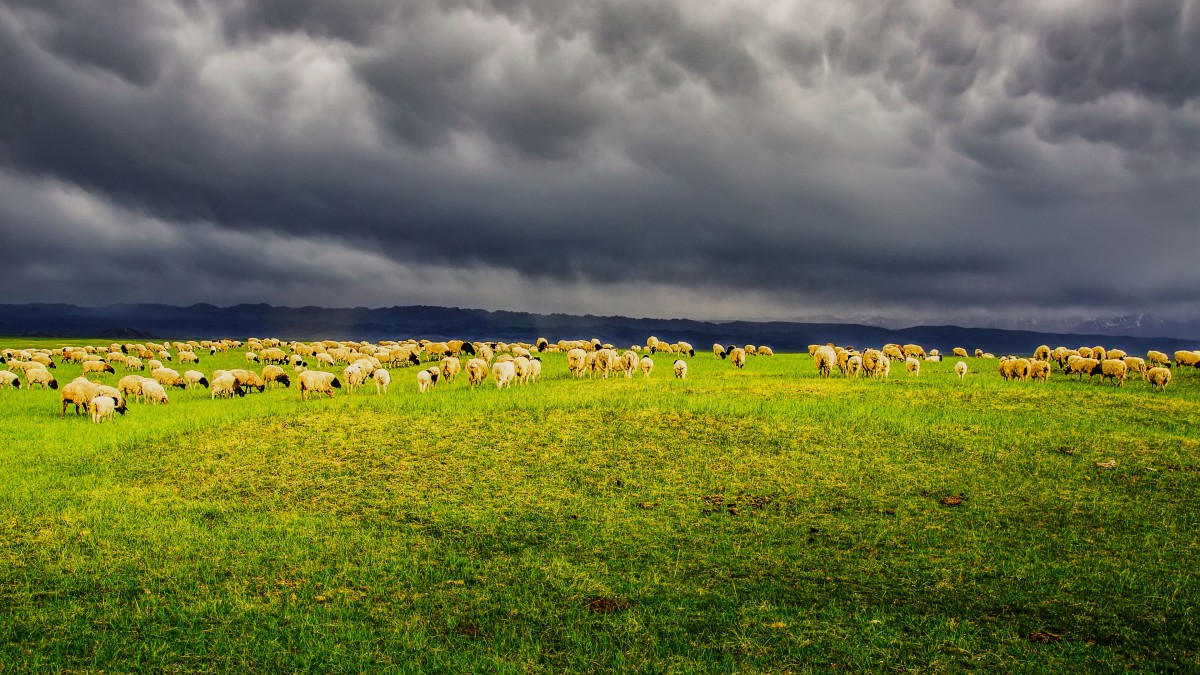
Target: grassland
{"type": "Point", "coordinates": [762, 520]}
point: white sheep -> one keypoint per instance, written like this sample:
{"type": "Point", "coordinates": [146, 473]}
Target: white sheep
{"type": "Point", "coordinates": [961, 368]}
{"type": "Point", "coordinates": [427, 378]}
{"type": "Point", "coordinates": [79, 392]}
{"type": "Point", "coordinates": [382, 378]}
{"type": "Point", "coordinates": [824, 357]}
{"type": "Point", "coordinates": [40, 376]}
{"type": "Point", "coordinates": [477, 371]}
{"type": "Point", "coordinates": [355, 376]}
{"type": "Point", "coordinates": [450, 367]}
{"type": "Point", "coordinates": [680, 369]}
{"type": "Point", "coordinates": [102, 408]}
{"type": "Point", "coordinates": [504, 372]}
{"type": "Point", "coordinates": [647, 365]}
{"type": "Point", "coordinates": [577, 362]}
{"type": "Point", "coordinates": [9, 379]}
{"type": "Point", "coordinates": [1158, 377]}
{"type": "Point", "coordinates": [195, 378]}
{"type": "Point", "coordinates": [738, 357]}
{"type": "Point", "coordinates": [153, 392]}
{"type": "Point", "coordinates": [226, 386]}
{"type": "Point", "coordinates": [318, 381]}
{"type": "Point", "coordinates": [912, 365]}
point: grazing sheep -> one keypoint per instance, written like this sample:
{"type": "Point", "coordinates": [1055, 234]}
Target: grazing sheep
{"type": "Point", "coordinates": [577, 362]}
{"type": "Point", "coordinates": [913, 366]}
{"type": "Point", "coordinates": [1187, 358]}
{"type": "Point", "coordinates": [824, 358]}
{"type": "Point", "coordinates": [80, 392]}
{"type": "Point", "coordinates": [44, 360]}
{"type": "Point", "coordinates": [915, 351]}
{"type": "Point", "coordinates": [883, 367]}
{"type": "Point", "coordinates": [153, 365]}
{"type": "Point", "coordinates": [764, 350]}
{"type": "Point", "coordinates": [382, 379]}
{"type": "Point", "coordinates": [987, 355]}
{"type": "Point", "coordinates": [272, 355]}
{"type": "Point", "coordinates": [1136, 364]}
{"type": "Point", "coordinates": [961, 368]}
{"type": "Point", "coordinates": [97, 367]}
{"type": "Point", "coordinates": [504, 372]}
{"type": "Point", "coordinates": [477, 371]}
{"type": "Point", "coordinates": [188, 357]}
{"type": "Point", "coordinates": [168, 378]}
{"type": "Point", "coordinates": [606, 361]}
{"type": "Point", "coordinates": [153, 392]}
{"type": "Point", "coordinates": [450, 367]}
{"type": "Point", "coordinates": [248, 379]}
{"type": "Point", "coordinates": [536, 364]}
{"type": "Point", "coordinates": [686, 348]}
{"type": "Point", "coordinates": [1159, 378]}
{"type": "Point", "coordinates": [738, 357]}
{"type": "Point", "coordinates": [1157, 359]}
{"type": "Point", "coordinates": [1042, 353]}
{"type": "Point", "coordinates": [647, 365]}
{"type": "Point", "coordinates": [719, 351]}
{"type": "Point", "coordinates": [102, 408]}
{"type": "Point", "coordinates": [164, 355]}
{"type": "Point", "coordinates": [523, 368]}
{"type": "Point", "coordinates": [978, 353]}
{"type": "Point", "coordinates": [40, 376]}
{"type": "Point", "coordinates": [680, 369]}
{"type": "Point", "coordinates": [893, 352]}
{"type": "Point", "coordinates": [628, 363]}
{"type": "Point", "coordinates": [275, 374]}
{"type": "Point", "coordinates": [226, 386]}
{"type": "Point", "coordinates": [194, 378]}
{"type": "Point", "coordinates": [1039, 371]}
{"type": "Point", "coordinates": [1099, 353]}
{"type": "Point", "coordinates": [959, 352]}
{"type": "Point", "coordinates": [9, 379]}
{"type": "Point", "coordinates": [317, 381]}
{"type": "Point", "coordinates": [325, 359]}
{"type": "Point", "coordinates": [252, 357]}
{"type": "Point", "coordinates": [854, 365]}
{"type": "Point", "coordinates": [1117, 354]}
{"type": "Point", "coordinates": [1085, 352]}
{"type": "Point", "coordinates": [355, 376]}
{"type": "Point", "coordinates": [130, 386]}
{"type": "Point", "coordinates": [427, 378]}
{"type": "Point", "coordinates": [652, 344]}
{"type": "Point", "coordinates": [133, 363]}
{"type": "Point", "coordinates": [1015, 369]}
{"type": "Point", "coordinates": [1113, 369]}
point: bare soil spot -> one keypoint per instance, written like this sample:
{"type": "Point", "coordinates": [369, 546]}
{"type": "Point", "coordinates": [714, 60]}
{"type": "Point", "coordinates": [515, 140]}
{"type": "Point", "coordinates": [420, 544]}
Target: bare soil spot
{"type": "Point", "coordinates": [599, 605]}
{"type": "Point", "coordinates": [1045, 637]}
{"type": "Point", "coordinates": [951, 500]}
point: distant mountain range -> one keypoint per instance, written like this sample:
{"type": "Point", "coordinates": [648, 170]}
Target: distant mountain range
{"type": "Point", "coordinates": [145, 321]}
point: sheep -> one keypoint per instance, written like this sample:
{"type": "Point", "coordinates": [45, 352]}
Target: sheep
{"type": "Point", "coordinates": [738, 357]}
{"type": "Point", "coordinates": [652, 344]}
{"type": "Point", "coordinates": [450, 367]}
{"type": "Point", "coordinates": [1082, 366]}
{"type": "Point", "coordinates": [248, 379]}
{"type": "Point", "coordinates": [719, 351]}
{"type": "Point", "coordinates": [40, 376]}
{"type": "Point", "coordinates": [80, 392]}
{"type": "Point", "coordinates": [824, 358]}
{"type": "Point", "coordinates": [1113, 369]}
{"type": "Point", "coordinates": [97, 367]}
{"type": "Point", "coordinates": [296, 360]}
{"type": "Point", "coordinates": [523, 368]}
{"type": "Point", "coordinates": [133, 363]}
{"type": "Point", "coordinates": [764, 350]}
{"type": "Point", "coordinates": [272, 355]}
{"type": "Point", "coordinates": [427, 378]}
{"type": "Point", "coordinates": [961, 368]}
{"type": "Point", "coordinates": [1187, 358]}
{"type": "Point", "coordinates": [164, 355]}
{"type": "Point", "coordinates": [913, 366]}
{"type": "Point", "coordinates": [1042, 353]}
{"type": "Point", "coordinates": [251, 357]}
{"type": "Point", "coordinates": [382, 379]}
{"type": "Point", "coordinates": [542, 344]}
{"type": "Point", "coordinates": [355, 376]}
{"type": "Point", "coordinates": [870, 360]}
{"type": "Point", "coordinates": [477, 371]}
{"type": "Point", "coordinates": [1085, 352]}
{"type": "Point", "coordinates": [978, 352]}
{"type": "Point", "coordinates": [131, 386]}
{"type": "Point", "coordinates": [168, 378]}
{"type": "Point", "coordinates": [324, 359]}
{"type": "Point", "coordinates": [1156, 359]}
{"type": "Point", "coordinates": [44, 360]}
{"type": "Point", "coordinates": [1015, 369]}
{"type": "Point", "coordinates": [893, 352]}
{"type": "Point", "coordinates": [536, 364]}
{"type": "Point", "coordinates": [987, 355]}
{"type": "Point", "coordinates": [153, 365]}
{"type": "Point", "coordinates": [1159, 377]}
{"type": "Point", "coordinates": [188, 357]}
{"type": "Point", "coordinates": [606, 361]}
{"type": "Point", "coordinates": [854, 365]}
{"type": "Point", "coordinates": [114, 394]}
{"type": "Point", "coordinates": [680, 369]}
{"type": "Point", "coordinates": [686, 348]}
{"type": "Point", "coordinates": [1136, 364]}
{"type": "Point", "coordinates": [1117, 354]}
{"type": "Point", "coordinates": [504, 372]}
{"type": "Point", "coordinates": [9, 379]}
{"type": "Point", "coordinates": [226, 386]}
{"type": "Point", "coordinates": [436, 350]}
{"type": "Point", "coordinates": [646, 365]}
{"type": "Point", "coordinates": [317, 381]}
{"type": "Point", "coordinates": [1099, 353]}
{"type": "Point", "coordinates": [576, 362]}
{"type": "Point", "coordinates": [628, 363]}
{"type": "Point", "coordinates": [884, 367]}
{"type": "Point", "coordinates": [1039, 371]}
{"type": "Point", "coordinates": [915, 351]}
{"type": "Point", "coordinates": [153, 392]}
{"type": "Point", "coordinates": [959, 352]}
{"type": "Point", "coordinates": [102, 407]}
{"type": "Point", "coordinates": [275, 374]}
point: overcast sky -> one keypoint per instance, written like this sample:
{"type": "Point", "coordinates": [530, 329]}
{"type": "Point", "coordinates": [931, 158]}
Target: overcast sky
{"type": "Point", "coordinates": [912, 159]}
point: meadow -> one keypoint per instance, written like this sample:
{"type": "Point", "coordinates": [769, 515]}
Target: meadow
{"type": "Point", "coordinates": [761, 520]}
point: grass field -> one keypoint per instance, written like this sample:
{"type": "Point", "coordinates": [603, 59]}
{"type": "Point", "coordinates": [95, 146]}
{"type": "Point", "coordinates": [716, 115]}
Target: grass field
{"type": "Point", "coordinates": [762, 520]}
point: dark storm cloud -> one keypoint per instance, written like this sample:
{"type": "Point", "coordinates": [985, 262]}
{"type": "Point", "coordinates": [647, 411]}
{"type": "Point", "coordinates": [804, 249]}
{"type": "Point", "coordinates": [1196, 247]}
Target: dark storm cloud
{"type": "Point", "coordinates": [767, 159]}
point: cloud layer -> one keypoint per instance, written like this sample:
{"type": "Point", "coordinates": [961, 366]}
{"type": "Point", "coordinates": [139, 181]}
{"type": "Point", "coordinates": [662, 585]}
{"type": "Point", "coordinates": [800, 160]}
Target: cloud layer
{"type": "Point", "coordinates": [908, 158]}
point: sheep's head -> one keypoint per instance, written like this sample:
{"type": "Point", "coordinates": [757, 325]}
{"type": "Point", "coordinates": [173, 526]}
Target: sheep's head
{"type": "Point", "coordinates": [284, 380]}
{"type": "Point", "coordinates": [204, 382]}
{"type": "Point", "coordinates": [53, 383]}
{"type": "Point", "coordinates": [336, 384]}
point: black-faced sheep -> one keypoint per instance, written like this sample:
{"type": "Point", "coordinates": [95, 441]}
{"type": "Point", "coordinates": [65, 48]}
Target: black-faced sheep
{"type": "Point", "coordinates": [1039, 371]}
{"type": "Point", "coordinates": [40, 377]}
{"type": "Point", "coordinates": [1113, 369]}
{"type": "Point", "coordinates": [79, 392]}
{"type": "Point", "coordinates": [226, 386]}
{"type": "Point", "coordinates": [153, 392]}
{"type": "Point", "coordinates": [9, 379]}
{"type": "Point", "coordinates": [274, 374]}
{"type": "Point", "coordinates": [738, 357]}
{"type": "Point", "coordinates": [97, 367]}
{"type": "Point", "coordinates": [318, 381]}
{"type": "Point", "coordinates": [719, 350]}
{"type": "Point", "coordinates": [168, 378]}
{"type": "Point", "coordinates": [102, 408]}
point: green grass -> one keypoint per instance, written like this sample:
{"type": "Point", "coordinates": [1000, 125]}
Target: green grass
{"type": "Point", "coordinates": [763, 520]}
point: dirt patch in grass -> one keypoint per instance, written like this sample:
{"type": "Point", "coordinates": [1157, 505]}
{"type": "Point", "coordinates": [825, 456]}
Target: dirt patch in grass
{"type": "Point", "coordinates": [1045, 637]}
{"type": "Point", "coordinates": [952, 500]}
{"type": "Point", "coordinates": [602, 605]}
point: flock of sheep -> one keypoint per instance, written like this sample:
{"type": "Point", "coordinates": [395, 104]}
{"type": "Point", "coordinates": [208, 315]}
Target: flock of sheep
{"type": "Point", "coordinates": [364, 362]}
{"type": "Point", "coordinates": [1107, 364]}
